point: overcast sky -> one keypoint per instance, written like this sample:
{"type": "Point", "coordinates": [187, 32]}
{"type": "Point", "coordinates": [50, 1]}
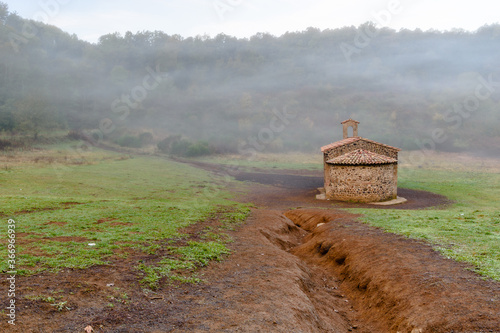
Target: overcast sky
{"type": "Point", "coordinates": [90, 19]}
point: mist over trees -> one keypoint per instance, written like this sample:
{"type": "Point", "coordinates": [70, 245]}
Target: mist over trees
{"type": "Point", "coordinates": [269, 93]}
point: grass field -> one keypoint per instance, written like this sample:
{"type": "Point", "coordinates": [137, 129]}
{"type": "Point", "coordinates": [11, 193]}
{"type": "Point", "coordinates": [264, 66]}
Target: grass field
{"type": "Point", "coordinates": [468, 230]}
{"type": "Point", "coordinates": [63, 200]}
{"type": "Point", "coordinates": [75, 210]}
{"type": "Point", "coordinates": [290, 161]}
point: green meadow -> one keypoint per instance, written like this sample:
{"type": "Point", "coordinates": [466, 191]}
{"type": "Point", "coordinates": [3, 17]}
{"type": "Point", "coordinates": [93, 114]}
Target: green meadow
{"type": "Point", "coordinates": [467, 230]}
{"type": "Point", "coordinates": [76, 210]}
{"type": "Point", "coordinates": [289, 161]}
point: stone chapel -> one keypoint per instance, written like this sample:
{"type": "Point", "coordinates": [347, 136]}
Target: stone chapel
{"type": "Point", "coordinates": [358, 169]}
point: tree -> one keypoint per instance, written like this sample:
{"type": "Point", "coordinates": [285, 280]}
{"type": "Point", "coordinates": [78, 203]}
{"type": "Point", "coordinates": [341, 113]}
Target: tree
{"type": "Point", "coordinates": [7, 122]}
{"type": "Point", "coordinates": [4, 12]}
{"type": "Point", "coordinates": [34, 115]}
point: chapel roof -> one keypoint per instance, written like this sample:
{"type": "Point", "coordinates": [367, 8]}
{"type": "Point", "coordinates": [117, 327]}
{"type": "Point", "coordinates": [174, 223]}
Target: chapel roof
{"type": "Point", "coordinates": [361, 157]}
{"type": "Point", "coordinates": [350, 120]}
{"type": "Point", "coordinates": [344, 142]}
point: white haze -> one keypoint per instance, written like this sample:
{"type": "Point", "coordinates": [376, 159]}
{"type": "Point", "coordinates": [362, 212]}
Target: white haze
{"type": "Point", "coordinates": [243, 18]}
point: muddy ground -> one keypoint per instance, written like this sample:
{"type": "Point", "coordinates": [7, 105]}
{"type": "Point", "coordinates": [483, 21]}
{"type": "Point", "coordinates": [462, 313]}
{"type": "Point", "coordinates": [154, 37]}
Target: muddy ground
{"type": "Point", "coordinates": [311, 269]}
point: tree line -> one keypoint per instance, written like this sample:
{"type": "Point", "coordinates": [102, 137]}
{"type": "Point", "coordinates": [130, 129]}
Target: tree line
{"type": "Point", "coordinates": [223, 94]}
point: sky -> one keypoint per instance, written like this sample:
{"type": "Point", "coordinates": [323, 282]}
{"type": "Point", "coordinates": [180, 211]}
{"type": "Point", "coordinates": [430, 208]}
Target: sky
{"type": "Point", "coordinates": [90, 19]}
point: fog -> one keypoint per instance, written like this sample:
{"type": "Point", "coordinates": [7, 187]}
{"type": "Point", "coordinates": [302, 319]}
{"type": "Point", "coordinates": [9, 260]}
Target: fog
{"type": "Point", "coordinates": [268, 93]}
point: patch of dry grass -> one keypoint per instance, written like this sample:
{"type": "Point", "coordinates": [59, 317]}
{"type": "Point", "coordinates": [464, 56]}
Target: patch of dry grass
{"type": "Point", "coordinates": [463, 162]}
{"type": "Point", "coordinates": [307, 161]}
{"type": "Point", "coordinates": [55, 157]}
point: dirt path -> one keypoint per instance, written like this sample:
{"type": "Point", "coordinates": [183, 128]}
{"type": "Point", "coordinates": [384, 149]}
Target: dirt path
{"type": "Point", "coordinates": [290, 191]}
{"type": "Point", "coordinates": [286, 274]}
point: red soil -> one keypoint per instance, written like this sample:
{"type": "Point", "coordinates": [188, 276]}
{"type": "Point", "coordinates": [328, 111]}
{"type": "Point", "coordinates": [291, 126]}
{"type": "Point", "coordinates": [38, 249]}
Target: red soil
{"type": "Point", "coordinates": [285, 274]}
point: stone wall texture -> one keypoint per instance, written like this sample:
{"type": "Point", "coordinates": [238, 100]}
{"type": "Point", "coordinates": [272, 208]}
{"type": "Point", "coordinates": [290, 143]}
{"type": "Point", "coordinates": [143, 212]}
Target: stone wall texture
{"type": "Point", "coordinates": [361, 183]}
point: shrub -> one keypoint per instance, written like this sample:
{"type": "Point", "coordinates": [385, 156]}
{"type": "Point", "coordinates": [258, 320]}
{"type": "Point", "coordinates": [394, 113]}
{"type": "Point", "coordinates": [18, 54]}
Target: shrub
{"type": "Point", "coordinates": [146, 138]}
{"type": "Point", "coordinates": [175, 145]}
{"type": "Point", "coordinates": [199, 148]}
{"type": "Point", "coordinates": [76, 135]}
{"type": "Point", "coordinates": [180, 147]}
{"type": "Point", "coordinates": [165, 145]}
{"type": "Point", "coordinates": [129, 141]}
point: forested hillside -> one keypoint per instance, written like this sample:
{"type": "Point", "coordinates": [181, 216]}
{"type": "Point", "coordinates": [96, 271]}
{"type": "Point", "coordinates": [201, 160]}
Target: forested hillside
{"type": "Point", "coordinates": [407, 88]}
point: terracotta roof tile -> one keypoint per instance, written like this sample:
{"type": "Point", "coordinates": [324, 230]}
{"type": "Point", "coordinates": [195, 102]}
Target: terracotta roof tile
{"type": "Point", "coordinates": [345, 121]}
{"type": "Point", "coordinates": [351, 140]}
{"type": "Point", "coordinates": [361, 157]}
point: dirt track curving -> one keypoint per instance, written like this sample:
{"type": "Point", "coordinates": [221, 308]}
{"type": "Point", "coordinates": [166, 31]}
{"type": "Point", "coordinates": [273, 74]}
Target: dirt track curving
{"type": "Point", "coordinates": [286, 274]}
{"type": "Point", "coordinates": [290, 190]}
